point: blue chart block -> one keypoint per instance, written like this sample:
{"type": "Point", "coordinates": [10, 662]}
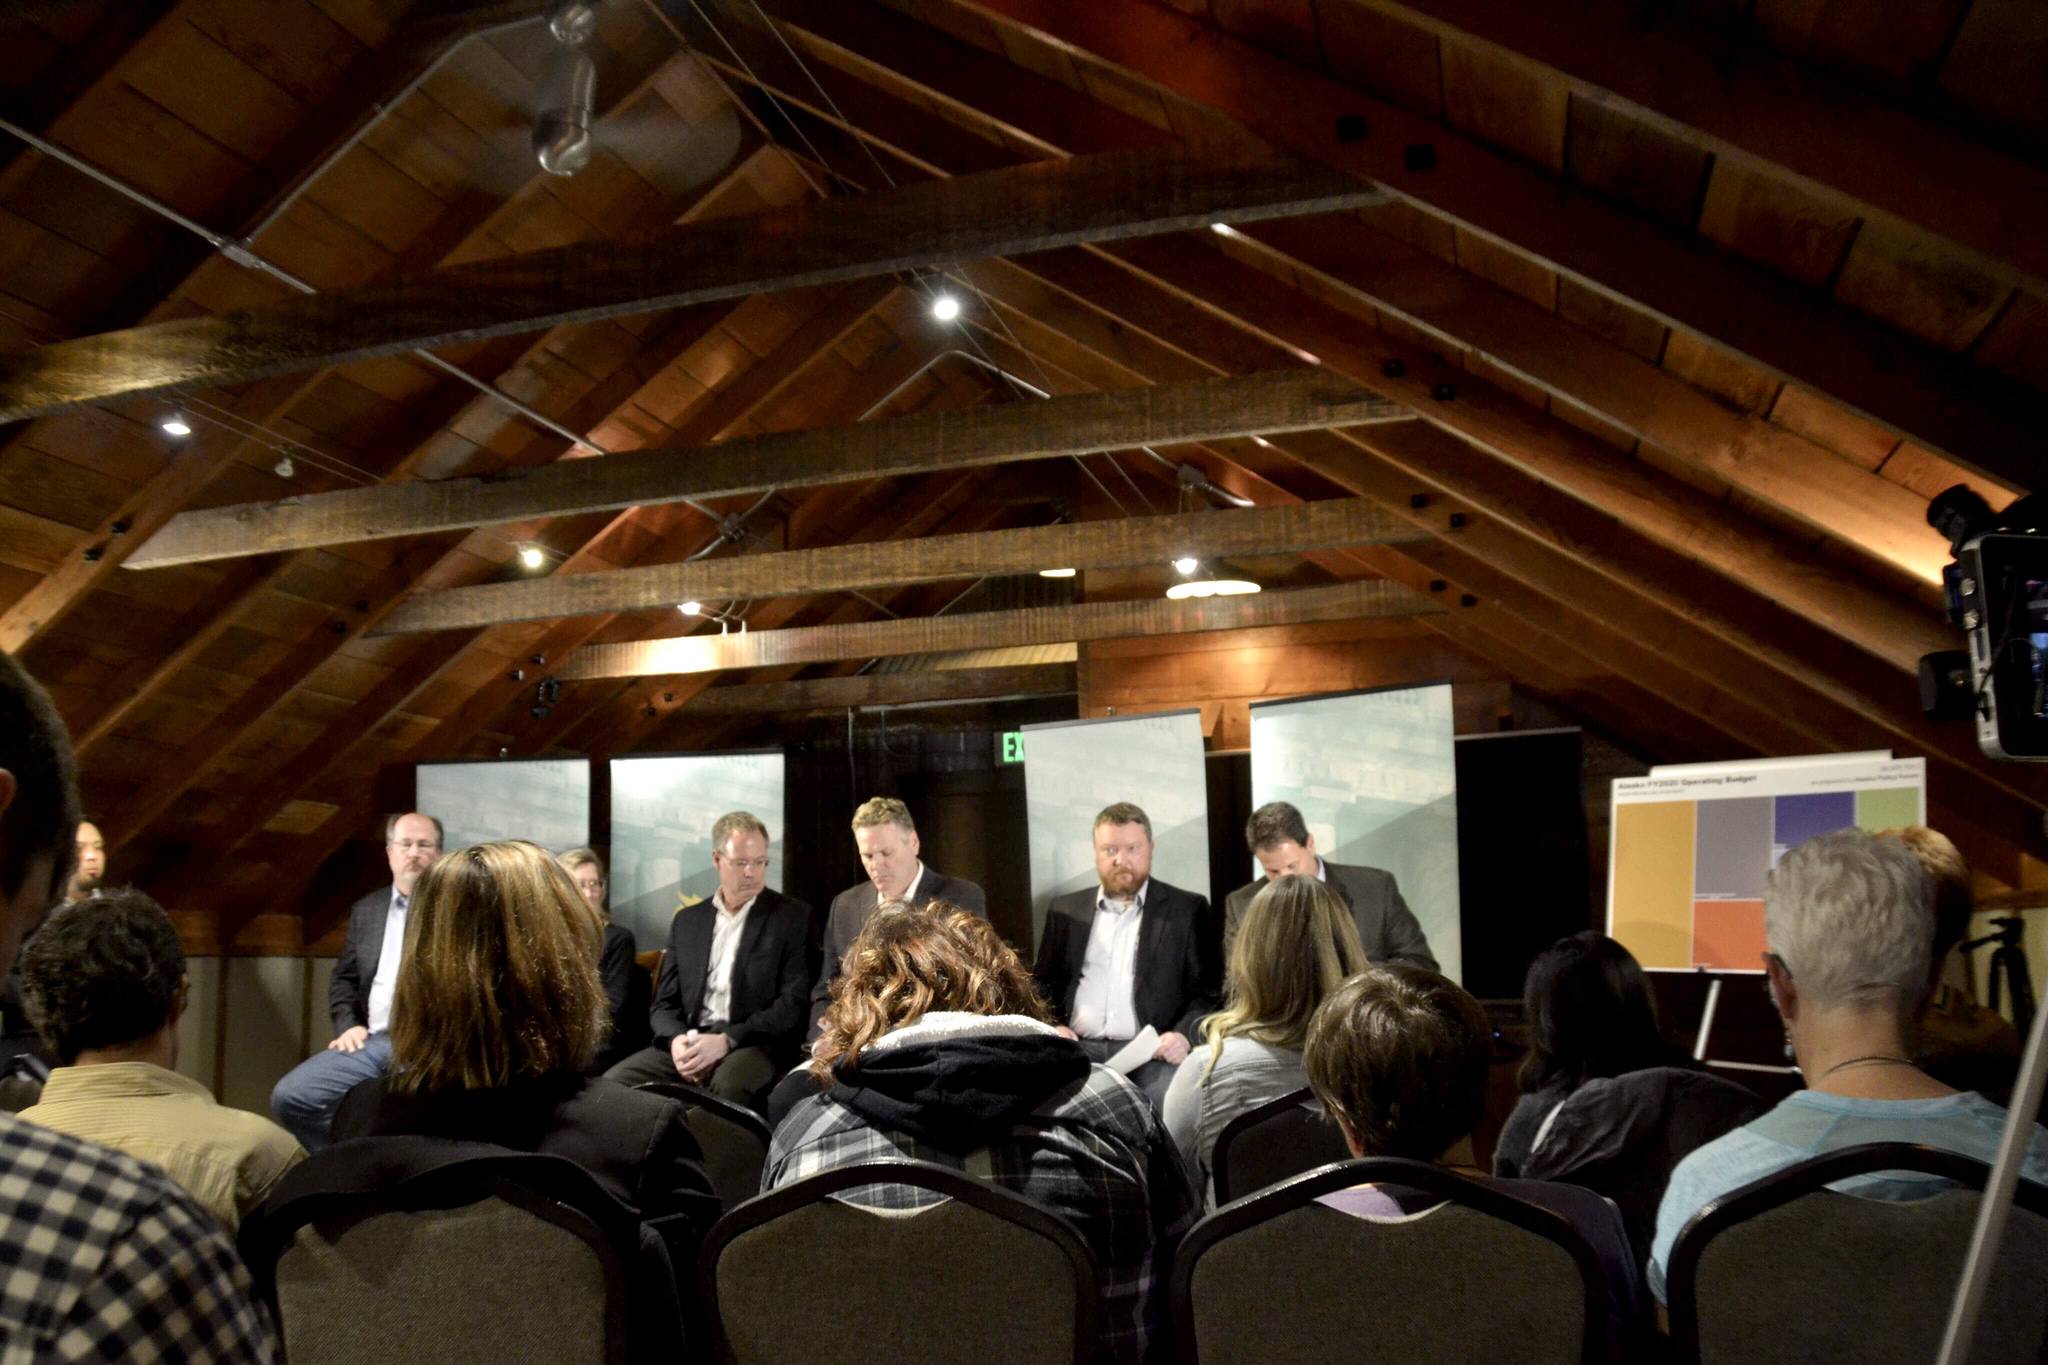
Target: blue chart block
{"type": "Point", "coordinates": [1799, 818]}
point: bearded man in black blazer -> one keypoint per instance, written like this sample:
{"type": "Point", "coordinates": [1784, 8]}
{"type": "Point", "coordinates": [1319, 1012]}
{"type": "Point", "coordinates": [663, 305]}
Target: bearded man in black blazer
{"type": "Point", "coordinates": [729, 1008]}
{"type": "Point", "coordinates": [1280, 840]}
{"type": "Point", "coordinates": [1129, 952]}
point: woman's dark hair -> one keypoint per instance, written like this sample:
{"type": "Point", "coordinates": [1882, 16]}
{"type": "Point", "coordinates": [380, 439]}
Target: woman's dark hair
{"type": "Point", "coordinates": [102, 973]}
{"type": "Point", "coordinates": [1589, 1014]}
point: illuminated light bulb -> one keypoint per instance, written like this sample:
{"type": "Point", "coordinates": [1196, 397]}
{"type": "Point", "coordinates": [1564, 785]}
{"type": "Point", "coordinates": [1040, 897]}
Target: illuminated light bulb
{"type": "Point", "coordinates": [690, 608]}
{"type": "Point", "coordinates": [1224, 230]}
{"type": "Point", "coordinates": [945, 308]}
{"type": "Point", "coordinates": [532, 556]}
{"type": "Point", "coordinates": [1186, 565]}
{"type": "Point", "coordinates": [174, 425]}
{"type": "Point", "coordinates": [1055, 573]}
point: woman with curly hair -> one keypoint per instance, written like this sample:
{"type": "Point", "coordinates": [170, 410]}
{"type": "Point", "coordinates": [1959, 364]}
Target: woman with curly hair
{"type": "Point", "coordinates": [937, 1047]}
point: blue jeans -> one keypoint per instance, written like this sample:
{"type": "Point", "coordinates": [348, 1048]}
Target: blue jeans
{"type": "Point", "coordinates": [305, 1100]}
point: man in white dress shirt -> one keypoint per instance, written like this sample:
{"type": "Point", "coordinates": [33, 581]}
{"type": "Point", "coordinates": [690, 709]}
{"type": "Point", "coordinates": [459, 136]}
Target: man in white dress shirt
{"type": "Point", "coordinates": [305, 1101]}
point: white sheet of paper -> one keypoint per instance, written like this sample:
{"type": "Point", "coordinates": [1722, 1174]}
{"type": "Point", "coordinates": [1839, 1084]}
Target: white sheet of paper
{"type": "Point", "coordinates": [1135, 1053]}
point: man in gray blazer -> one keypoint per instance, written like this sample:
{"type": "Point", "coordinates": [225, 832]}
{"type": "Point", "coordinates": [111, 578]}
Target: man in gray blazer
{"type": "Point", "coordinates": [359, 995]}
{"type": "Point", "coordinates": [1280, 840]}
{"type": "Point", "coordinates": [887, 839]}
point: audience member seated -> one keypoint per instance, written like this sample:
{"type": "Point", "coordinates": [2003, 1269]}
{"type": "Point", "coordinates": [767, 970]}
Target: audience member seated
{"type": "Point", "coordinates": [1848, 930]}
{"type": "Point", "coordinates": [18, 1036]}
{"type": "Point", "coordinates": [1961, 1042]}
{"type": "Point", "coordinates": [105, 983]}
{"type": "Point", "coordinates": [936, 1047]}
{"type": "Point", "coordinates": [497, 1016]}
{"type": "Point", "coordinates": [1399, 1056]}
{"type": "Point", "coordinates": [1297, 944]}
{"type": "Point", "coordinates": [107, 1259]}
{"type": "Point", "coordinates": [359, 995]}
{"type": "Point", "coordinates": [1128, 954]}
{"type": "Point", "coordinates": [615, 960]}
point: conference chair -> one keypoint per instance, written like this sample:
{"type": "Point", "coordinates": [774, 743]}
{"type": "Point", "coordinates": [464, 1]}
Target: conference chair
{"type": "Point", "coordinates": [1270, 1142]}
{"type": "Point", "coordinates": [1278, 1277]}
{"type": "Point", "coordinates": [734, 1139]}
{"type": "Point", "coordinates": [1787, 1269]}
{"type": "Point", "coordinates": [800, 1274]}
{"type": "Point", "coordinates": [402, 1248]}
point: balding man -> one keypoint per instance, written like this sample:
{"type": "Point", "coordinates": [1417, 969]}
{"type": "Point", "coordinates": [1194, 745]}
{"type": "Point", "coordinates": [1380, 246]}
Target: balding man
{"type": "Point", "coordinates": [359, 996]}
{"type": "Point", "coordinates": [1279, 839]}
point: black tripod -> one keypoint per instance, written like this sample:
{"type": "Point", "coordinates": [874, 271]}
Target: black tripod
{"type": "Point", "coordinates": [2009, 968]}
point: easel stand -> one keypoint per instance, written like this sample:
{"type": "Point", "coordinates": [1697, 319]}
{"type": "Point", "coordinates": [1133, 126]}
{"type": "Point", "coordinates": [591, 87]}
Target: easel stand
{"type": "Point", "coordinates": [1699, 1047]}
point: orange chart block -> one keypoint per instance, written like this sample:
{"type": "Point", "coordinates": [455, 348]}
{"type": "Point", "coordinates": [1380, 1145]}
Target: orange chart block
{"type": "Point", "coordinates": [1728, 935]}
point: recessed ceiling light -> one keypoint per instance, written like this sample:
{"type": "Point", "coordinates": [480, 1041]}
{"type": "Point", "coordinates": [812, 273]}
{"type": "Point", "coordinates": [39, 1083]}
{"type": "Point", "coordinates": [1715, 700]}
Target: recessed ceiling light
{"type": "Point", "coordinates": [945, 308]}
{"type": "Point", "coordinates": [1055, 573]}
{"type": "Point", "coordinates": [174, 425]}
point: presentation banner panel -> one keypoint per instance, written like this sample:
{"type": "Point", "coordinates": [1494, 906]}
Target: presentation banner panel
{"type": "Point", "coordinates": [1072, 769]}
{"type": "Point", "coordinates": [662, 812]}
{"type": "Point", "coordinates": [1375, 776]}
{"type": "Point", "coordinates": [543, 800]}
{"type": "Point", "coordinates": [1690, 849]}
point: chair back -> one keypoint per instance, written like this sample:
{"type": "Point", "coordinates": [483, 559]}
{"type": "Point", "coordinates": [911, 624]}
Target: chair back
{"type": "Point", "coordinates": [734, 1139]}
{"type": "Point", "coordinates": [1270, 1142]}
{"type": "Point", "coordinates": [482, 1256]}
{"type": "Point", "coordinates": [1787, 1269]}
{"type": "Point", "coordinates": [1278, 1277]}
{"type": "Point", "coordinates": [975, 1272]}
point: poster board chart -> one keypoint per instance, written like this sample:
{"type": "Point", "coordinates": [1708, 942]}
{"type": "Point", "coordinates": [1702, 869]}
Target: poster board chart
{"type": "Point", "coordinates": [1072, 769]}
{"type": "Point", "coordinates": [1691, 846]}
{"type": "Point", "coordinates": [663, 807]}
{"type": "Point", "coordinates": [1374, 774]}
{"type": "Point", "coordinates": [542, 800]}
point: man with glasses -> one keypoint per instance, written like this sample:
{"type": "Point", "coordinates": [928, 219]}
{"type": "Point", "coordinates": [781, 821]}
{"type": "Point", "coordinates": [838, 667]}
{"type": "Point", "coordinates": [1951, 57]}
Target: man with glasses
{"type": "Point", "coordinates": [729, 1007]}
{"type": "Point", "coordinates": [359, 996]}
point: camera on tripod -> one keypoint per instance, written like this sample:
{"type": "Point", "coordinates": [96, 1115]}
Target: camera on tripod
{"type": "Point", "coordinates": [1997, 594]}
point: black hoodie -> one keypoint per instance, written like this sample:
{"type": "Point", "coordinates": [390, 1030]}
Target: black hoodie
{"type": "Point", "coordinates": [959, 1094]}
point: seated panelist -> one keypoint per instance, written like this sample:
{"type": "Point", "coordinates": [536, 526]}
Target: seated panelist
{"type": "Point", "coordinates": [1280, 840]}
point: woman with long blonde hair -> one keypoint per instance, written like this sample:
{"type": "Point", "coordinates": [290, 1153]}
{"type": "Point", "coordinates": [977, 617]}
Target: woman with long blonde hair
{"type": "Point", "coordinates": [1297, 944]}
{"type": "Point", "coordinates": [497, 1016]}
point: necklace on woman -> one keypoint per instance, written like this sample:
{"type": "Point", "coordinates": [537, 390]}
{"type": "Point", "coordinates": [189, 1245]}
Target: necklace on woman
{"type": "Point", "coordinates": [1874, 1059]}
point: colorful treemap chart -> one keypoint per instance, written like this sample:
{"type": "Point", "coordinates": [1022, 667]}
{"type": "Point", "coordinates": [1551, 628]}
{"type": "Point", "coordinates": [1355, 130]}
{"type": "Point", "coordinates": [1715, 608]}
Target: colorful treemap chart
{"type": "Point", "coordinates": [1691, 848]}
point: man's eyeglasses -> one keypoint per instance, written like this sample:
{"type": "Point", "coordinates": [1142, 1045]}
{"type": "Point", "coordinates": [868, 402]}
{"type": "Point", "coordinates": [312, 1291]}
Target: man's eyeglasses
{"type": "Point", "coordinates": [748, 864]}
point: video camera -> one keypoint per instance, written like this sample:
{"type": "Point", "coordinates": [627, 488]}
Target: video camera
{"type": "Point", "coordinates": [1997, 594]}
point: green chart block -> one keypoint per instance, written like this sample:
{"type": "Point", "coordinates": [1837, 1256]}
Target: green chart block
{"type": "Point", "coordinates": [1887, 808]}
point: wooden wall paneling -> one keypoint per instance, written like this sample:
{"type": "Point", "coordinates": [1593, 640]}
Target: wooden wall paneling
{"type": "Point", "coordinates": [1959, 409]}
{"type": "Point", "coordinates": [1084, 199]}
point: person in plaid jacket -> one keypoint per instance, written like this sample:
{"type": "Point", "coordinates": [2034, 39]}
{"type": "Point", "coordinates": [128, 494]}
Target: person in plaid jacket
{"type": "Point", "coordinates": [937, 1047]}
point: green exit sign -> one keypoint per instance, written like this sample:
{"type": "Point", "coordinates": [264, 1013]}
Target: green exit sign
{"type": "Point", "coordinates": [1010, 746]}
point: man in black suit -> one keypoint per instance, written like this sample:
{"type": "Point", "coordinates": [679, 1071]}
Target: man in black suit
{"type": "Point", "coordinates": [1129, 952]}
{"type": "Point", "coordinates": [887, 839]}
{"type": "Point", "coordinates": [359, 995]}
{"type": "Point", "coordinates": [1280, 840]}
{"type": "Point", "coordinates": [729, 1008]}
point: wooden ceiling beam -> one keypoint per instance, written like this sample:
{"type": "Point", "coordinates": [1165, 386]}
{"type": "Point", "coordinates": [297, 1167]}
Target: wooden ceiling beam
{"type": "Point", "coordinates": [989, 630]}
{"type": "Point", "coordinates": [932, 559]}
{"type": "Point", "coordinates": [1023, 209]}
{"type": "Point", "coordinates": [1946, 402]}
{"type": "Point", "coordinates": [1283, 400]}
{"type": "Point", "coordinates": [1753, 106]}
{"type": "Point", "coordinates": [885, 689]}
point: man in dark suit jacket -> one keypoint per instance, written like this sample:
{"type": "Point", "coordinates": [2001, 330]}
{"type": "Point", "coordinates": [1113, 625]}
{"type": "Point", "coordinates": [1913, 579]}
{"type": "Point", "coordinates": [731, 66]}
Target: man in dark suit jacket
{"type": "Point", "coordinates": [1280, 840]}
{"type": "Point", "coordinates": [359, 995]}
{"type": "Point", "coordinates": [1129, 952]}
{"type": "Point", "coordinates": [887, 839]}
{"type": "Point", "coordinates": [729, 1008]}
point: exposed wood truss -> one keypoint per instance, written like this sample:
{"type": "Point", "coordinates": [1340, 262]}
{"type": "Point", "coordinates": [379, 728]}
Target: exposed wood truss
{"type": "Point", "coordinates": [885, 689]}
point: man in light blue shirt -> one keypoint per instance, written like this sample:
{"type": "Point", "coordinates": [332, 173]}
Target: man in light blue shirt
{"type": "Point", "coordinates": [1849, 924]}
{"type": "Point", "coordinates": [305, 1101]}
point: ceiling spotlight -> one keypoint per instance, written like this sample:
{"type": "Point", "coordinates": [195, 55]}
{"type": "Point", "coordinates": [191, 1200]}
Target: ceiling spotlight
{"type": "Point", "coordinates": [945, 308]}
{"type": "Point", "coordinates": [1186, 565]}
{"type": "Point", "coordinates": [284, 468]}
{"type": "Point", "coordinates": [690, 608]}
{"type": "Point", "coordinates": [532, 556]}
{"type": "Point", "coordinates": [1212, 587]}
{"type": "Point", "coordinates": [175, 425]}
{"type": "Point", "coordinates": [1055, 573]}
{"type": "Point", "coordinates": [1224, 230]}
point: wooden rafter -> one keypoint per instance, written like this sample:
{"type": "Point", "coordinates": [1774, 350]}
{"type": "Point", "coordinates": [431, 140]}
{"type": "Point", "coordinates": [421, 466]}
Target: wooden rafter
{"type": "Point", "coordinates": [989, 630]}
{"type": "Point", "coordinates": [1286, 400]}
{"type": "Point", "coordinates": [1973, 415]}
{"type": "Point", "coordinates": [1026, 209]}
{"type": "Point", "coordinates": [885, 689]}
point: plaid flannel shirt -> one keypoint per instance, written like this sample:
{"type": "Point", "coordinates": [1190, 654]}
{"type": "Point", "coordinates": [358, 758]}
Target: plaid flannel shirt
{"type": "Point", "coordinates": [1094, 1154]}
{"type": "Point", "coordinates": [107, 1260]}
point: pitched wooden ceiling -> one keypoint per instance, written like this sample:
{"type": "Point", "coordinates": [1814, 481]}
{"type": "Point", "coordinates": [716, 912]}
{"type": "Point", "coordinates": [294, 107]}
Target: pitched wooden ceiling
{"type": "Point", "coordinates": [1690, 308]}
